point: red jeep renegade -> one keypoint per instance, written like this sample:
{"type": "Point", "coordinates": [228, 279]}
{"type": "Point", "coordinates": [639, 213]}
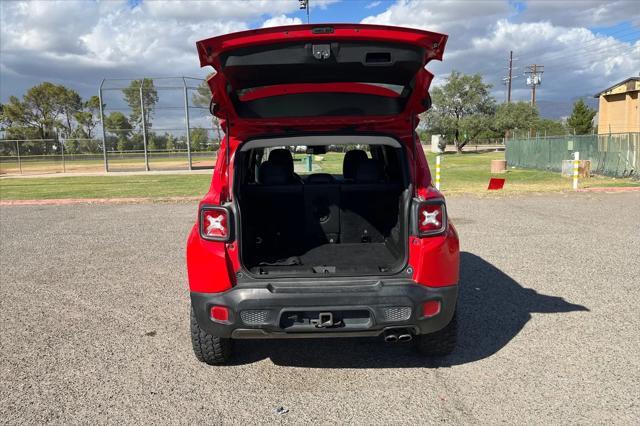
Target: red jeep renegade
{"type": "Point", "coordinates": [321, 219]}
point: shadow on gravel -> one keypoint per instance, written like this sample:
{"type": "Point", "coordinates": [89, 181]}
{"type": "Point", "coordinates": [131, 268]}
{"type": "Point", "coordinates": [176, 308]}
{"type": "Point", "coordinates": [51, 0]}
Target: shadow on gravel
{"type": "Point", "coordinates": [492, 310]}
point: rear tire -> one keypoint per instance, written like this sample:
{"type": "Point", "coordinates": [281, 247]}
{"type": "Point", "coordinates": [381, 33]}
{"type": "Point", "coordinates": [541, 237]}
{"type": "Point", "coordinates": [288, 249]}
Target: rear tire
{"type": "Point", "coordinates": [210, 349]}
{"type": "Point", "coordinates": [440, 343]}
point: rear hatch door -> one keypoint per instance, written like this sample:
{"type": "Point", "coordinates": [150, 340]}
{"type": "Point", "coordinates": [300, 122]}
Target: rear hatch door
{"type": "Point", "coordinates": [333, 73]}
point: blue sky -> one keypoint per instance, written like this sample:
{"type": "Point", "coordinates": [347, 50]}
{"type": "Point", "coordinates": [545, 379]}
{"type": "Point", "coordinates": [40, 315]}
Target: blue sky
{"type": "Point", "coordinates": [585, 45]}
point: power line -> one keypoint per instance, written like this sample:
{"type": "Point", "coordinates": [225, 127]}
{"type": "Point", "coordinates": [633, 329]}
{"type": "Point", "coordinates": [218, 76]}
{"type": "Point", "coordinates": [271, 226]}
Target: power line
{"type": "Point", "coordinates": [587, 49]}
{"type": "Point", "coordinates": [629, 32]}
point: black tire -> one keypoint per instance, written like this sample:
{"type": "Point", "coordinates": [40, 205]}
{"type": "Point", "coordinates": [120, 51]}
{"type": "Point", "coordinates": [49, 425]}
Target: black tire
{"type": "Point", "coordinates": [207, 348]}
{"type": "Point", "coordinates": [440, 343]}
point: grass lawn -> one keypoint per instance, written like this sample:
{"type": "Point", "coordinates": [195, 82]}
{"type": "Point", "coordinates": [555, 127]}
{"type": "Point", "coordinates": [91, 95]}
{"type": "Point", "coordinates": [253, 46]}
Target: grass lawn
{"type": "Point", "coordinates": [155, 186]}
{"type": "Point", "coordinates": [470, 173]}
{"type": "Point", "coordinates": [461, 173]}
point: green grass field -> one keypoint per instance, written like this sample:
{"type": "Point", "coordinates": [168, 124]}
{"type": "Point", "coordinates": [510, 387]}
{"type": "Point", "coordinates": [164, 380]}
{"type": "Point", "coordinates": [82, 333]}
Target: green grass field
{"type": "Point", "coordinates": [153, 186]}
{"type": "Point", "coordinates": [461, 173]}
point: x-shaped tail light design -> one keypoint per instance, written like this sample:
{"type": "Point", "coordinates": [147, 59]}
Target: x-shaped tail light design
{"type": "Point", "coordinates": [215, 223]}
{"type": "Point", "coordinates": [430, 218]}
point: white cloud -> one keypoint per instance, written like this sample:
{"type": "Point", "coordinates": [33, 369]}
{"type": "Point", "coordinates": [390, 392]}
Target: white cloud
{"type": "Point", "coordinates": [219, 10]}
{"type": "Point", "coordinates": [281, 20]}
{"type": "Point", "coordinates": [585, 13]}
{"type": "Point", "coordinates": [577, 61]}
{"type": "Point", "coordinates": [77, 43]}
{"type": "Point", "coordinates": [445, 15]}
{"type": "Point", "coordinates": [373, 4]}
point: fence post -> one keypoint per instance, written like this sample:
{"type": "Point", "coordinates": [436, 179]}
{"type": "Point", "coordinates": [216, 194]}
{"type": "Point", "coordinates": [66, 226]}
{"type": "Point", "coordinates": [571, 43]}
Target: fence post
{"type": "Point", "coordinates": [104, 132]}
{"type": "Point", "coordinates": [576, 167]}
{"type": "Point", "coordinates": [64, 166]}
{"type": "Point", "coordinates": [144, 129]}
{"type": "Point", "coordinates": [186, 119]}
{"type": "Point", "coordinates": [438, 172]}
{"type": "Point", "coordinates": [18, 152]}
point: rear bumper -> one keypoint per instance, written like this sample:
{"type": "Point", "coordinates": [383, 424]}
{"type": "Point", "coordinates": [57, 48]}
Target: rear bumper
{"type": "Point", "coordinates": [361, 308]}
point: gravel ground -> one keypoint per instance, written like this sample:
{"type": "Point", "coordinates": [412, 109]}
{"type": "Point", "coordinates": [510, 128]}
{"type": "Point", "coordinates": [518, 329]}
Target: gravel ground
{"type": "Point", "coordinates": [94, 311]}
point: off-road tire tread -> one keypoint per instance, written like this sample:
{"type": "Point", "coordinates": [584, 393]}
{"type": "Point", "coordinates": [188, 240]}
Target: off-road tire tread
{"type": "Point", "coordinates": [440, 343]}
{"type": "Point", "coordinates": [210, 349]}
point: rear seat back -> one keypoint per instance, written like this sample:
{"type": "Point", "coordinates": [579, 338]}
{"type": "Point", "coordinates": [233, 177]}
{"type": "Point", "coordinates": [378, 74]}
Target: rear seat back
{"type": "Point", "coordinates": [285, 214]}
{"type": "Point", "coordinates": [368, 207]}
{"type": "Point", "coordinates": [275, 208]}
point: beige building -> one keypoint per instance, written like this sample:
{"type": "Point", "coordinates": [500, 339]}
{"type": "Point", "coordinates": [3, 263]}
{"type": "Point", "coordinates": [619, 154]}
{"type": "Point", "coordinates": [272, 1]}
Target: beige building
{"type": "Point", "coordinates": [619, 111]}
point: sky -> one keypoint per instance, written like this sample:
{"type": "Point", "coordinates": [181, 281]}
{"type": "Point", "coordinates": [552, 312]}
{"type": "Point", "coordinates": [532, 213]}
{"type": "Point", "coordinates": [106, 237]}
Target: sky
{"type": "Point", "coordinates": [585, 46]}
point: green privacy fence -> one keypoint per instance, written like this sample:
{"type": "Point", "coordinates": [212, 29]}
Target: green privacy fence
{"type": "Point", "coordinates": [615, 154]}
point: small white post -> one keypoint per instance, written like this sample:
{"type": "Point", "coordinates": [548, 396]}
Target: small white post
{"type": "Point", "coordinates": [438, 172]}
{"type": "Point", "coordinates": [576, 167]}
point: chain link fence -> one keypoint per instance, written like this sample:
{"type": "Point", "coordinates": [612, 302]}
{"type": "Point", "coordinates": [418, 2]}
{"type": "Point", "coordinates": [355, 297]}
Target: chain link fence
{"type": "Point", "coordinates": [144, 124]}
{"type": "Point", "coordinates": [616, 155]}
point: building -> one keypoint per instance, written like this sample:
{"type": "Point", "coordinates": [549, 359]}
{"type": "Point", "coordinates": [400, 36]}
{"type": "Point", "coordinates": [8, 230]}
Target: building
{"type": "Point", "coordinates": [618, 110]}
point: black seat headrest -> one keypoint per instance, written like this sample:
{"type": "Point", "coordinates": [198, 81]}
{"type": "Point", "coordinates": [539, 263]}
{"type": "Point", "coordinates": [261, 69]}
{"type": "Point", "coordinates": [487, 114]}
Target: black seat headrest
{"type": "Point", "coordinates": [320, 178]}
{"type": "Point", "coordinates": [273, 174]}
{"type": "Point", "coordinates": [369, 171]}
{"type": "Point", "coordinates": [350, 163]}
{"type": "Point", "coordinates": [282, 156]}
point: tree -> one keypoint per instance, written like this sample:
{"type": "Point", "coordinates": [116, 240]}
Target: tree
{"type": "Point", "coordinates": [70, 104]}
{"type": "Point", "coordinates": [516, 115]}
{"type": "Point", "coordinates": [36, 113]}
{"type": "Point", "coordinates": [171, 145]}
{"type": "Point", "coordinates": [149, 100]}
{"type": "Point", "coordinates": [581, 119]}
{"type": "Point", "coordinates": [202, 98]}
{"type": "Point", "coordinates": [547, 127]}
{"type": "Point", "coordinates": [461, 108]}
{"type": "Point", "coordinates": [118, 124]}
{"type": "Point", "coordinates": [199, 139]}
{"type": "Point", "coordinates": [88, 118]}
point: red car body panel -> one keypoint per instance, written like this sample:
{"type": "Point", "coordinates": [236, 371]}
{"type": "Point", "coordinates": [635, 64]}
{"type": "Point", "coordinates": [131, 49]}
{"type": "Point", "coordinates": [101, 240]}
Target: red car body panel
{"type": "Point", "coordinates": [212, 266]}
{"type": "Point", "coordinates": [282, 89]}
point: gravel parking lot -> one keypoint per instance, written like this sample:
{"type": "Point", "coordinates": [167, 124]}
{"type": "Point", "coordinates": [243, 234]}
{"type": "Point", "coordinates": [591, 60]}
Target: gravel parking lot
{"type": "Point", "coordinates": [94, 311]}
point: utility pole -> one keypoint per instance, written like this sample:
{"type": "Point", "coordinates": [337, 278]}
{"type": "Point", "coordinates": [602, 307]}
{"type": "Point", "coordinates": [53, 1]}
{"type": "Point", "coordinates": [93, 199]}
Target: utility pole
{"type": "Point", "coordinates": [509, 82]}
{"type": "Point", "coordinates": [304, 4]}
{"type": "Point", "coordinates": [509, 78]}
{"type": "Point", "coordinates": [534, 79]}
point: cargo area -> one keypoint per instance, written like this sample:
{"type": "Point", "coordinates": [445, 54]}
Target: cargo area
{"type": "Point", "coordinates": [321, 223]}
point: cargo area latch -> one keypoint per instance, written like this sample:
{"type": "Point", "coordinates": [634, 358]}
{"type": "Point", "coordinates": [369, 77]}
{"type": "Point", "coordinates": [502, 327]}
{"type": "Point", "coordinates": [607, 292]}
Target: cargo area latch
{"type": "Point", "coordinates": [325, 319]}
{"type": "Point", "coordinates": [321, 51]}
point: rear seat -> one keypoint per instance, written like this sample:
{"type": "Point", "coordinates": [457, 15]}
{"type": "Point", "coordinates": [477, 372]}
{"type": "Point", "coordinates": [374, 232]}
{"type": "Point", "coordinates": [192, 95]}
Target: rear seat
{"type": "Point", "coordinates": [322, 209]}
{"type": "Point", "coordinates": [369, 206]}
{"type": "Point", "coordinates": [275, 207]}
{"type": "Point", "coordinates": [288, 214]}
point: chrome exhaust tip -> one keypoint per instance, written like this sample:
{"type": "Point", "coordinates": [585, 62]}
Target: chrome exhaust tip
{"type": "Point", "coordinates": [405, 337]}
{"type": "Point", "coordinates": [389, 337]}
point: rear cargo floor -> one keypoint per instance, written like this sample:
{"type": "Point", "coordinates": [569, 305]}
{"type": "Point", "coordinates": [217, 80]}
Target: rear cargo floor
{"type": "Point", "coordinates": [345, 258]}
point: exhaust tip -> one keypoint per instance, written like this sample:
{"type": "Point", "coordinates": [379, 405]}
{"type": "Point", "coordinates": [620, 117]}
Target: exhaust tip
{"type": "Point", "coordinates": [405, 337]}
{"type": "Point", "coordinates": [390, 338]}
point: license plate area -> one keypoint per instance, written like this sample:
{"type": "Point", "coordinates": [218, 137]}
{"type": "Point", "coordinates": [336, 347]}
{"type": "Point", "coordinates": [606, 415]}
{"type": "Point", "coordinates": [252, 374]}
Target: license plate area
{"type": "Point", "coordinates": [325, 320]}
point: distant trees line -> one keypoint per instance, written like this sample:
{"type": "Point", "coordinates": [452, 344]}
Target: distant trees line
{"type": "Point", "coordinates": [54, 112]}
{"type": "Point", "coordinates": [463, 111]}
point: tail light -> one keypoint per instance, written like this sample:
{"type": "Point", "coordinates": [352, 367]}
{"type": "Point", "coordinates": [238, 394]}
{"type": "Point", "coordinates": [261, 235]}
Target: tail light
{"type": "Point", "coordinates": [430, 217]}
{"type": "Point", "coordinates": [215, 223]}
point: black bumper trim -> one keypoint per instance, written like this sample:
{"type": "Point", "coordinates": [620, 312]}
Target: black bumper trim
{"type": "Point", "coordinates": [279, 298]}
